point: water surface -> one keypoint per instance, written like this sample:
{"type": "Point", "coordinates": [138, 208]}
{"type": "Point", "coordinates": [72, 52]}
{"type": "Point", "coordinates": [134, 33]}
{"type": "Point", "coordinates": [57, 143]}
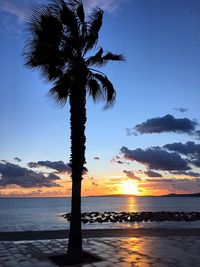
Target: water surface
{"type": "Point", "coordinates": [20, 214]}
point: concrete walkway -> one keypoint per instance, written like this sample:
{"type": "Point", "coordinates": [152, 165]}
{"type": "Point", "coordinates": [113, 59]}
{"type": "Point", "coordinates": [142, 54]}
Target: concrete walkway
{"type": "Point", "coordinates": [142, 251]}
{"type": "Point", "coordinates": [91, 233]}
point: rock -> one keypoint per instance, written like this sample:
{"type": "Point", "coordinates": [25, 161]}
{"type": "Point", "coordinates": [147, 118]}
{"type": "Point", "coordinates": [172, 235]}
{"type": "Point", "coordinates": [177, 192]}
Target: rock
{"type": "Point", "coordinates": [99, 217]}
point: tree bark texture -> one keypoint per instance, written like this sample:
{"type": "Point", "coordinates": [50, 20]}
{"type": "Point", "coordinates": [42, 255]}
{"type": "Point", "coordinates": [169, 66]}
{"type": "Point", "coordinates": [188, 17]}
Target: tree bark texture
{"type": "Point", "coordinates": [77, 100]}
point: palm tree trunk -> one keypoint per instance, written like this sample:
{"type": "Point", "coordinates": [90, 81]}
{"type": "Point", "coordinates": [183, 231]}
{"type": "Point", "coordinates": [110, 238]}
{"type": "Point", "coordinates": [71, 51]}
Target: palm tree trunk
{"type": "Point", "coordinates": [77, 100]}
{"type": "Point", "coordinates": [75, 236]}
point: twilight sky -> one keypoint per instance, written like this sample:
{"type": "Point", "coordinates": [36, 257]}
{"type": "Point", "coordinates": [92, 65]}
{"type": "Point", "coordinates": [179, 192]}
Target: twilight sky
{"type": "Point", "coordinates": [147, 144]}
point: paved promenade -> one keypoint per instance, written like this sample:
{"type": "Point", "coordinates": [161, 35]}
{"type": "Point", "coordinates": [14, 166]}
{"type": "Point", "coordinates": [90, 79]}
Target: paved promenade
{"type": "Point", "coordinates": [140, 251]}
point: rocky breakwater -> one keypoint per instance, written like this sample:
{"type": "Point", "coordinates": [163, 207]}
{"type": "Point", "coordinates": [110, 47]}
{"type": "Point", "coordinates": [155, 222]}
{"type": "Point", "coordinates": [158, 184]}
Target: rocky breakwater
{"type": "Point", "coordinates": [114, 217]}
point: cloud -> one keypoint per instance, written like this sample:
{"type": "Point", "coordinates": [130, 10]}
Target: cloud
{"type": "Point", "coordinates": [12, 174]}
{"type": "Point", "coordinates": [164, 180]}
{"type": "Point", "coordinates": [13, 12]}
{"type": "Point", "coordinates": [97, 158]}
{"type": "Point", "coordinates": [187, 185]}
{"type": "Point", "coordinates": [150, 173]}
{"type": "Point", "coordinates": [130, 132]}
{"type": "Point", "coordinates": [93, 181]}
{"type": "Point", "coordinates": [181, 184]}
{"type": "Point", "coordinates": [17, 159]}
{"type": "Point", "coordinates": [197, 133]}
{"type": "Point", "coordinates": [12, 15]}
{"type": "Point", "coordinates": [181, 109]}
{"type": "Point", "coordinates": [59, 166]}
{"type": "Point", "coordinates": [119, 162]}
{"type": "Point", "coordinates": [189, 149]}
{"type": "Point", "coordinates": [106, 5]}
{"type": "Point", "coordinates": [131, 175]}
{"type": "Point", "coordinates": [190, 173]}
{"type": "Point", "coordinates": [166, 124]}
{"type": "Point", "coordinates": [156, 158]}
{"type": "Point", "coordinates": [16, 8]}
{"type": "Point", "coordinates": [116, 179]}
{"type": "Point", "coordinates": [33, 164]}
{"type": "Point", "coordinates": [117, 159]}
{"type": "Point", "coordinates": [172, 185]}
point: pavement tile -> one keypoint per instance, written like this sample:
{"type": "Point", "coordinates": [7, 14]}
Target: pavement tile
{"type": "Point", "coordinates": [122, 252]}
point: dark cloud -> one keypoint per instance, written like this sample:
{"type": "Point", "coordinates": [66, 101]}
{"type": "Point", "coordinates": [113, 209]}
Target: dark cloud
{"type": "Point", "coordinates": [119, 162]}
{"type": "Point", "coordinates": [164, 180]}
{"type": "Point", "coordinates": [4, 161]}
{"type": "Point", "coordinates": [17, 159]}
{"type": "Point", "coordinates": [97, 158]}
{"type": "Point", "coordinates": [181, 109]}
{"type": "Point", "coordinates": [166, 124]}
{"type": "Point", "coordinates": [129, 131]}
{"type": "Point", "coordinates": [53, 176]}
{"type": "Point", "coordinates": [33, 165]}
{"type": "Point", "coordinates": [14, 174]}
{"type": "Point", "coordinates": [196, 163]}
{"type": "Point", "coordinates": [189, 149]}
{"type": "Point", "coordinates": [131, 175]}
{"type": "Point", "coordinates": [117, 159]}
{"type": "Point", "coordinates": [156, 158]}
{"type": "Point", "coordinates": [190, 173]}
{"type": "Point", "coordinates": [59, 166]}
{"type": "Point", "coordinates": [150, 173]}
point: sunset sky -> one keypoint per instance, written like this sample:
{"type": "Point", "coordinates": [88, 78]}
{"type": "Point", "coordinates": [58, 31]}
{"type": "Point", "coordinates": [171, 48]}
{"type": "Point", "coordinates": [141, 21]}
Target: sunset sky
{"type": "Point", "coordinates": [147, 144]}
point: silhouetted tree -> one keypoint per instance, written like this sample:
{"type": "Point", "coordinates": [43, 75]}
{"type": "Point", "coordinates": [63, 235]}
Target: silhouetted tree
{"type": "Point", "coordinates": [59, 38]}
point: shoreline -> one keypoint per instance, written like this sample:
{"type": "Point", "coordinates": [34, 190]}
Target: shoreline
{"type": "Point", "coordinates": [97, 233]}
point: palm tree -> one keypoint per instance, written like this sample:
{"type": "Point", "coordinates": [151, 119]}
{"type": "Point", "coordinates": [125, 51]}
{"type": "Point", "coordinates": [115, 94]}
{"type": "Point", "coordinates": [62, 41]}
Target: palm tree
{"type": "Point", "coordinates": [59, 38]}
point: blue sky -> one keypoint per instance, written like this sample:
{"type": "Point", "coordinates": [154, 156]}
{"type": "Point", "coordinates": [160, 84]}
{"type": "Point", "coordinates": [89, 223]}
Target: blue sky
{"type": "Point", "coordinates": [160, 40]}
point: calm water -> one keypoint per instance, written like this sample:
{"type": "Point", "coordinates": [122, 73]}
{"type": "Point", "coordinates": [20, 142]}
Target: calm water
{"type": "Point", "coordinates": [18, 214]}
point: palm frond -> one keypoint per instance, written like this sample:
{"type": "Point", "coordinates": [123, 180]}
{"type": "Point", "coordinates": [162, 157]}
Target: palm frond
{"type": "Point", "coordinates": [50, 72]}
{"type": "Point", "coordinates": [33, 16]}
{"type": "Point", "coordinates": [61, 90]}
{"type": "Point", "coordinates": [83, 26]}
{"type": "Point", "coordinates": [94, 89]}
{"type": "Point", "coordinates": [38, 53]}
{"type": "Point", "coordinates": [113, 57]}
{"type": "Point", "coordinates": [80, 12]}
{"type": "Point", "coordinates": [59, 38]}
{"type": "Point", "coordinates": [108, 91]}
{"type": "Point", "coordinates": [99, 60]}
{"type": "Point", "coordinates": [94, 25]}
{"type": "Point", "coordinates": [67, 15]}
{"type": "Point", "coordinates": [95, 60]}
{"type": "Point", "coordinates": [43, 46]}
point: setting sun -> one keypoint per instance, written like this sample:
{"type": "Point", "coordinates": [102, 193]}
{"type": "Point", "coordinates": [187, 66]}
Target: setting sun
{"type": "Point", "coordinates": [129, 187]}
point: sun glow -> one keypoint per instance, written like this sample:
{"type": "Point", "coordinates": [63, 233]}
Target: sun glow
{"type": "Point", "coordinates": [129, 188]}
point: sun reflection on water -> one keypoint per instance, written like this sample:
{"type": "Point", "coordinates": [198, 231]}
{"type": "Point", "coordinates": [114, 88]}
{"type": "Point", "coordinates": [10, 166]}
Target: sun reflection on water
{"type": "Point", "coordinates": [131, 204]}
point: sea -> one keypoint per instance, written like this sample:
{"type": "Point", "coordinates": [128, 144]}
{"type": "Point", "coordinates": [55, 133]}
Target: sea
{"type": "Point", "coordinates": [33, 214]}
